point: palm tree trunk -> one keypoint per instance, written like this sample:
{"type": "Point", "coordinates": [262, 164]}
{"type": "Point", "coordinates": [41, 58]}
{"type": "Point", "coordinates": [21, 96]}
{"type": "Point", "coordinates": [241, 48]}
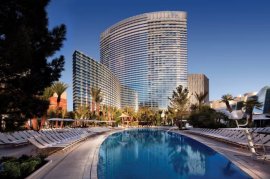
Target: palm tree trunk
{"type": "Point", "coordinates": [98, 108]}
{"type": "Point", "coordinates": [228, 106]}
{"type": "Point", "coordinates": [42, 122]}
{"type": "Point", "coordinates": [62, 123]}
{"type": "Point", "coordinates": [57, 112]}
{"type": "Point", "coordinates": [93, 106]}
{"type": "Point", "coordinates": [27, 124]}
{"type": "Point", "coordinates": [250, 119]}
{"type": "Point", "coordinates": [35, 123]}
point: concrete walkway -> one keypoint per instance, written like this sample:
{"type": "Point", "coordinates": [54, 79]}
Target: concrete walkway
{"type": "Point", "coordinates": [74, 164]}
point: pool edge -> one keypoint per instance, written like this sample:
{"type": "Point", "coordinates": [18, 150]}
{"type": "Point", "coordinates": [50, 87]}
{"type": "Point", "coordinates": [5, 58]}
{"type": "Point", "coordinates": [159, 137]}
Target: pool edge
{"type": "Point", "coordinates": [244, 168]}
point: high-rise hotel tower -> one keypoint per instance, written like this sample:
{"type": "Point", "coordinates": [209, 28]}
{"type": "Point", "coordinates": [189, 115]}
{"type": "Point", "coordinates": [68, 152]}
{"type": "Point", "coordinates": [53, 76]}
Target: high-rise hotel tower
{"type": "Point", "coordinates": [88, 73]}
{"type": "Point", "coordinates": [148, 53]}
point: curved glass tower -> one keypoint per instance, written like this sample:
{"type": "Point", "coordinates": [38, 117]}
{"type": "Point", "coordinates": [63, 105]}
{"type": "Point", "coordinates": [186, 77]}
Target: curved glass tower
{"type": "Point", "coordinates": [148, 53]}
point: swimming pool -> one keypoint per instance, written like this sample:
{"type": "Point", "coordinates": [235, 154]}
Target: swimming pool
{"type": "Point", "coordinates": [148, 153]}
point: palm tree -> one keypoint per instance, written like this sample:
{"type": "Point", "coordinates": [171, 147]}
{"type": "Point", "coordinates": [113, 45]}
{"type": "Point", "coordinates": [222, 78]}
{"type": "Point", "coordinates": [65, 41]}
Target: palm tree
{"type": "Point", "coordinates": [63, 115]}
{"type": "Point", "coordinates": [48, 92]}
{"type": "Point", "coordinates": [201, 98]}
{"type": "Point", "coordinates": [59, 88]}
{"type": "Point", "coordinates": [226, 99]}
{"type": "Point", "coordinates": [94, 93]}
{"type": "Point", "coordinates": [194, 107]}
{"type": "Point", "coordinates": [249, 106]}
{"type": "Point", "coordinates": [96, 98]}
{"type": "Point", "coordinates": [179, 103]}
{"type": "Point", "coordinates": [81, 114]}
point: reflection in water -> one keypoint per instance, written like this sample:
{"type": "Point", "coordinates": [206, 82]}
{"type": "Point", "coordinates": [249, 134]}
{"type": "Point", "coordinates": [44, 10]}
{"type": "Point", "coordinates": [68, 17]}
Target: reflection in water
{"type": "Point", "coordinates": [145, 153]}
{"type": "Point", "coordinates": [185, 159]}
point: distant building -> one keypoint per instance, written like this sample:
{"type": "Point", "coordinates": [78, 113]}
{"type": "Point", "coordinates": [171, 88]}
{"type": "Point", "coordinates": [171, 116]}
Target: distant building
{"type": "Point", "coordinates": [236, 103]}
{"type": "Point", "coordinates": [264, 97]}
{"type": "Point", "coordinates": [88, 73]}
{"type": "Point", "coordinates": [261, 117]}
{"type": "Point", "coordinates": [198, 83]}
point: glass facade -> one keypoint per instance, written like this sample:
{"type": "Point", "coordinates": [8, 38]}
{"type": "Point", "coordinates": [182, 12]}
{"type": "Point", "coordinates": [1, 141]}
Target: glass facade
{"type": "Point", "coordinates": [88, 73]}
{"type": "Point", "coordinates": [129, 98]}
{"type": "Point", "coordinates": [263, 97]}
{"type": "Point", "coordinates": [148, 53]}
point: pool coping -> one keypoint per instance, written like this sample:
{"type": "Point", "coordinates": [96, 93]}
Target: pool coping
{"type": "Point", "coordinates": [210, 143]}
{"type": "Point", "coordinates": [94, 162]}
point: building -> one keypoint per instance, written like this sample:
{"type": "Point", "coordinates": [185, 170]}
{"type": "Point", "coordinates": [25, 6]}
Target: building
{"type": "Point", "coordinates": [88, 73]}
{"type": "Point", "coordinates": [148, 53]}
{"type": "Point", "coordinates": [236, 103]}
{"type": "Point", "coordinates": [264, 97]}
{"type": "Point", "coordinates": [129, 98]}
{"type": "Point", "coordinates": [261, 117]}
{"type": "Point", "coordinates": [198, 83]}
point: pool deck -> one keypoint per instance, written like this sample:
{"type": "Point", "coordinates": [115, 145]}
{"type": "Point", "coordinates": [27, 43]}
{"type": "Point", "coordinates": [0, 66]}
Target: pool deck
{"type": "Point", "coordinates": [81, 161]}
{"type": "Point", "coordinates": [258, 169]}
{"type": "Point", "coordinates": [77, 163]}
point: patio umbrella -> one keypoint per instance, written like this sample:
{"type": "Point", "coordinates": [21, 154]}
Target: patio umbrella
{"type": "Point", "coordinates": [60, 119]}
{"type": "Point", "coordinates": [123, 116]}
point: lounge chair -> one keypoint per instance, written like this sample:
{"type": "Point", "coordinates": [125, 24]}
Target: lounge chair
{"type": "Point", "coordinates": [8, 139]}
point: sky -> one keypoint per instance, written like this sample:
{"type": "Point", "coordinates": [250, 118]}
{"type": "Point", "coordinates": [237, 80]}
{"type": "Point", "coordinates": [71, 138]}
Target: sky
{"type": "Point", "coordinates": [228, 40]}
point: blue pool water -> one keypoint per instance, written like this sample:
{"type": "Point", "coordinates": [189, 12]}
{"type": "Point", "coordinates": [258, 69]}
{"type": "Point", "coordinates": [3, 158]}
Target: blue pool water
{"type": "Point", "coordinates": [145, 153]}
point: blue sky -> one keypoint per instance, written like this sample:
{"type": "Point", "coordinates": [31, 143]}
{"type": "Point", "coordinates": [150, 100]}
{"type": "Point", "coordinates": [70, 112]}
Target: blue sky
{"type": "Point", "coordinates": [228, 40]}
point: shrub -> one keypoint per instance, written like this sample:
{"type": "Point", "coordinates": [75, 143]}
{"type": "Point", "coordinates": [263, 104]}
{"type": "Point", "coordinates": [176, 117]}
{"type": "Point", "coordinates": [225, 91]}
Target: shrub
{"type": "Point", "coordinates": [207, 117]}
{"type": "Point", "coordinates": [11, 167]}
{"type": "Point", "coordinates": [29, 167]}
{"type": "Point", "coordinates": [11, 170]}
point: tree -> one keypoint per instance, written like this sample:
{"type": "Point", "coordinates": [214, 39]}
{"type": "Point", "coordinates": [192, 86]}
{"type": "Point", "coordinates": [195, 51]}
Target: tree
{"type": "Point", "coordinates": [27, 47]}
{"type": "Point", "coordinates": [59, 88]}
{"type": "Point", "coordinates": [226, 99]}
{"type": "Point", "coordinates": [201, 98]}
{"type": "Point", "coordinates": [81, 114]}
{"type": "Point", "coordinates": [159, 121]}
{"type": "Point", "coordinates": [48, 92]}
{"type": "Point", "coordinates": [206, 117]}
{"type": "Point", "coordinates": [179, 104]}
{"type": "Point", "coordinates": [194, 107]}
{"type": "Point", "coordinates": [146, 115]}
{"type": "Point", "coordinates": [249, 106]}
{"type": "Point", "coordinates": [96, 98]}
